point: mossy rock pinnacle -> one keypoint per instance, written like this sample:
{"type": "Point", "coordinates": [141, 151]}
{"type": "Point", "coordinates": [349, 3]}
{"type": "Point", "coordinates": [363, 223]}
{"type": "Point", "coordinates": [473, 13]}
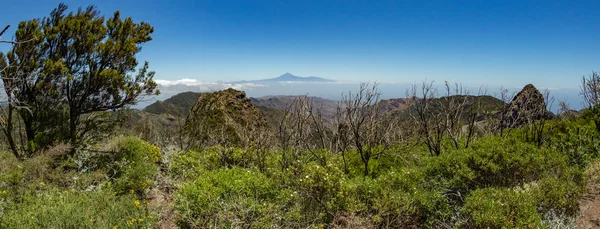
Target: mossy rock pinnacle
{"type": "Point", "coordinates": [224, 117]}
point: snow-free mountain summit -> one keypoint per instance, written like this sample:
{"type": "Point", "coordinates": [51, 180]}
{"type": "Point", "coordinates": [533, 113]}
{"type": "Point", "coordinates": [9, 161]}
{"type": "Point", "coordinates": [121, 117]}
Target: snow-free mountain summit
{"type": "Point", "coordinates": [287, 77]}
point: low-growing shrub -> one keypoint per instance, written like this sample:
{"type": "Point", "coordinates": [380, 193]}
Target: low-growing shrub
{"type": "Point", "coordinates": [501, 208]}
{"type": "Point", "coordinates": [398, 199]}
{"type": "Point", "coordinates": [578, 139]}
{"type": "Point", "coordinates": [228, 198]}
{"type": "Point", "coordinates": [494, 162]}
{"type": "Point", "coordinates": [69, 209]}
{"type": "Point", "coordinates": [136, 164]}
{"type": "Point", "coordinates": [558, 195]}
{"type": "Point", "coordinates": [592, 173]}
{"type": "Point", "coordinates": [320, 190]}
{"type": "Point", "coordinates": [190, 163]}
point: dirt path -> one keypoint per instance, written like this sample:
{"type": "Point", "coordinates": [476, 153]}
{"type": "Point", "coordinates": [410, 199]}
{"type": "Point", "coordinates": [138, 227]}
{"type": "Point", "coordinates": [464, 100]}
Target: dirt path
{"type": "Point", "coordinates": [161, 198]}
{"type": "Point", "coordinates": [589, 207]}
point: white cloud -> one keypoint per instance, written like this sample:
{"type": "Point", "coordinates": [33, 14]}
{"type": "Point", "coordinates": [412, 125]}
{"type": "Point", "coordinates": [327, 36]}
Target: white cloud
{"type": "Point", "coordinates": [172, 87]}
{"type": "Point", "coordinates": [200, 86]}
{"type": "Point", "coordinates": [184, 81]}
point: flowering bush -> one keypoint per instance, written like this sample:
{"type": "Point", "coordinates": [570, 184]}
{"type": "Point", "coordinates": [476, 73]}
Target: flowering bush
{"type": "Point", "coordinates": [69, 209]}
{"type": "Point", "coordinates": [137, 165]}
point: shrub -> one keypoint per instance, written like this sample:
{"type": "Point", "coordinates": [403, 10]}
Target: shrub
{"type": "Point", "coordinates": [320, 190]}
{"type": "Point", "coordinates": [578, 139]}
{"type": "Point", "coordinates": [501, 208]}
{"type": "Point", "coordinates": [189, 164]}
{"type": "Point", "coordinates": [69, 209]}
{"type": "Point", "coordinates": [227, 198]}
{"type": "Point", "coordinates": [593, 172]}
{"type": "Point", "coordinates": [494, 162]}
{"type": "Point", "coordinates": [137, 165]}
{"type": "Point", "coordinates": [398, 198]}
{"type": "Point", "coordinates": [557, 195]}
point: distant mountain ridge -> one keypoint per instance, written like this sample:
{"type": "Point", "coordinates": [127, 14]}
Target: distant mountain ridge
{"type": "Point", "coordinates": [287, 77]}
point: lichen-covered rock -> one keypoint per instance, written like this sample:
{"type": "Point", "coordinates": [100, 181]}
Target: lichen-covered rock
{"type": "Point", "coordinates": [224, 117]}
{"type": "Point", "coordinates": [527, 106]}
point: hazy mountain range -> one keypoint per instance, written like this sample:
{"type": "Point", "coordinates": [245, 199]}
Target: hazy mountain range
{"type": "Point", "coordinates": [291, 85]}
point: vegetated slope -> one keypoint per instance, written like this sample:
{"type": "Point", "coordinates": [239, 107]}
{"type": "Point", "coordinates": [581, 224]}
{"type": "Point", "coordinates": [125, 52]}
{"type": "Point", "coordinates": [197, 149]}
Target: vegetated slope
{"type": "Point", "coordinates": [177, 105]}
{"type": "Point", "coordinates": [394, 105]}
{"type": "Point", "coordinates": [224, 117]}
{"type": "Point", "coordinates": [272, 107]}
{"type": "Point", "coordinates": [282, 102]}
{"type": "Point", "coordinates": [157, 128]}
{"type": "Point", "coordinates": [273, 116]}
{"type": "Point", "coordinates": [487, 107]}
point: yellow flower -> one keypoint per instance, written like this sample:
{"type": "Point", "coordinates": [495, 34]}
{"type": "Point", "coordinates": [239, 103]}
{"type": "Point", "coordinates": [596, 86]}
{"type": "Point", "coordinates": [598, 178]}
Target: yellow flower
{"type": "Point", "coordinates": [150, 217]}
{"type": "Point", "coordinates": [115, 227]}
{"type": "Point", "coordinates": [137, 203]}
{"type": "Point", "coordinates": [131, 191]}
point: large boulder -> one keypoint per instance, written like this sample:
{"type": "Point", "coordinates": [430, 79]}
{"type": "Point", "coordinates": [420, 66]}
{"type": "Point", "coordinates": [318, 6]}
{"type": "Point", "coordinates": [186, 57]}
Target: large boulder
{"type": "Point", "coordinates": [526, 107]}
{"type": "Point", "coordinates": [224, 117]}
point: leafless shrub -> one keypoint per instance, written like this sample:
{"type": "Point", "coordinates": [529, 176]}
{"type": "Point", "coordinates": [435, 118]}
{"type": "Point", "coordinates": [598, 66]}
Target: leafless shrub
{"type": "Point", "coordinates": [452, 116]}
{"type": "Point", "coordinates": [303, 127]}
{"type": "Point", "coordinates": [367, 128]}
{"type": "Point", "coordinates": [590, 90]}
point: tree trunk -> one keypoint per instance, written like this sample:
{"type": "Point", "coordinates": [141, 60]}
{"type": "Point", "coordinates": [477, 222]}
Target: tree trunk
{"type": "Point", "coordinates": [73, 131]}
{"type": "Point", "coordinates": [8, 130]}
{"type": "Point", "coordinates": [366, 169]}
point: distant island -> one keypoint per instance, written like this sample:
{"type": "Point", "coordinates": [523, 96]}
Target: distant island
{"type": "Point", "coordinates": [287, 77]}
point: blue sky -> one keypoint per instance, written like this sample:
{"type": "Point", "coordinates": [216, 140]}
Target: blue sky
{"type": "Point", "coordinates": [495, 43]}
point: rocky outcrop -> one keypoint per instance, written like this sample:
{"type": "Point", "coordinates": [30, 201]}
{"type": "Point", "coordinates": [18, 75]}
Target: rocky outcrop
{"type": "Point", "coordinates": [225, 117]}
{"type": "Point", "coordinates": [526, 107]}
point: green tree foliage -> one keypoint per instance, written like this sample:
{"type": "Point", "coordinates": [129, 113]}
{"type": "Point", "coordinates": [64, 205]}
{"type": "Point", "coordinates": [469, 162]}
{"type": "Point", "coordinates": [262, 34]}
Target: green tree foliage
{"type": "Point", "coordinates": [67, 67]}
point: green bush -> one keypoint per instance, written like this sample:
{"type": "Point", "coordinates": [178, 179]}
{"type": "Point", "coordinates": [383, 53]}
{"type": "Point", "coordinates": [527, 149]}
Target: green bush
{"type": "Point", "coordinates": [578, 139]}
{"type": "Point", "coordinates": [320, 190]}
{"type": "Point", "coordinates": [592, 172]}
{"type": "Point", "coordinates": [69, 209]}
{"type": "Point", "coordinates": [494, 162]}
{"type": "Point", "coordinates": [137, 165]}
{"type": "Point", "coordinates": [501, 208]}
{"type": "Point", "coordinates": [399, 197]}
{"type": "Point", "coordinates": [233, 197]}
{"type": "Point", "coordinates": [189, 164]}
{"type": "Point", "coordinates": [558, 195]}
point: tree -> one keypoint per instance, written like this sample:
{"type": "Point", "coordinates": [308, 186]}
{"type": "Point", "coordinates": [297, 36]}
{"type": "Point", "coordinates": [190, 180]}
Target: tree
{"type": "Point", "coordinates": [590, 91]}
{"type": "Point", "coordinates": [6, 109]}
{"type": "Point", "coordinates": [452, 116]}
{"type": "Point", "coordinates": [303, 128]}
{"type": "Point", "coordinates": [25, 89]}
{"type": "Point", "coordinates": [367, 127]}
{"type": "Point", "coordinates": [78, 66]}
{"type": "Point", "coordinates": [427, 116]}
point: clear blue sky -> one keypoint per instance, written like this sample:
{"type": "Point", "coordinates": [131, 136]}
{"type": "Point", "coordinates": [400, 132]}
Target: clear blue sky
{"type": "Point", "coordinates": [548, 43]}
